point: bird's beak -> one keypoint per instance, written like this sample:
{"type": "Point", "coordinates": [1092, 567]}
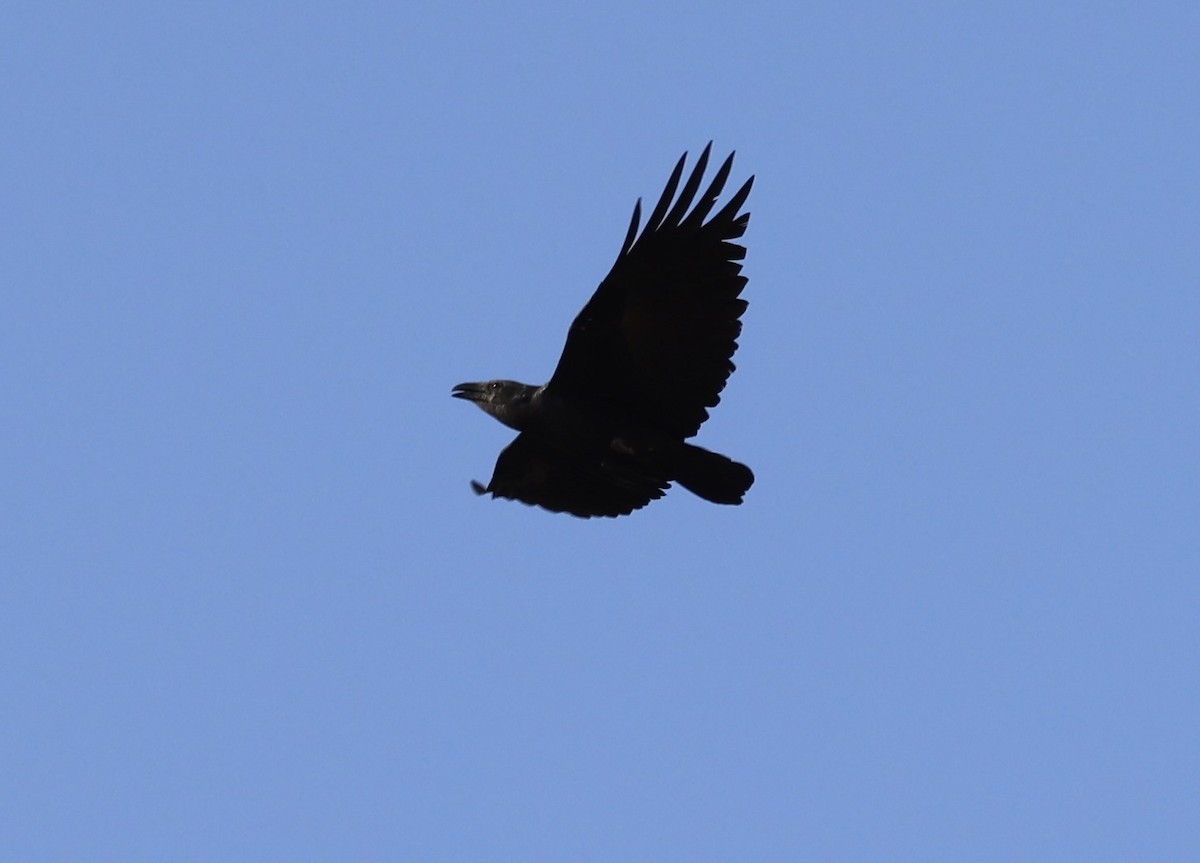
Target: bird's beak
{"type": "Point", "coordinates": [470, 392]}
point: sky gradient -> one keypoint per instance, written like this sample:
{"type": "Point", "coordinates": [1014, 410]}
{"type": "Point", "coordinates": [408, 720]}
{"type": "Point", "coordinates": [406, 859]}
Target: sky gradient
{"type": "Point", "coordinates": [251, 610]}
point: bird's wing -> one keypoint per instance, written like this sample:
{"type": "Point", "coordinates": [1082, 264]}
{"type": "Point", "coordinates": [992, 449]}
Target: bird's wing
{"type": "Point", "coordinates": [657, 337]}
{"type": "Point", "coordinates": [534, 473]}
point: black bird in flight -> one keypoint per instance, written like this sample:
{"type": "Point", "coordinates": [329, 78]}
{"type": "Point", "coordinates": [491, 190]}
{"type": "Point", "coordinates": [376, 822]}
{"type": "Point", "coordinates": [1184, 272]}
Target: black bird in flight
{"type": "Point", "coordinates": [644, 360]}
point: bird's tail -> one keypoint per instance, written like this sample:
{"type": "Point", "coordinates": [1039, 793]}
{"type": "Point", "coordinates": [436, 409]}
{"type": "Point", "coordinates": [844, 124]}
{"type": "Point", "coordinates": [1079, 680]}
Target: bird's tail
{"type": "Point", "coordinates": [710, 475]}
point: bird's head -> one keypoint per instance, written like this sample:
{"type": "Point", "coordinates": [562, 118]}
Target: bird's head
{"type": "Point", "coordinates": [507, 401]}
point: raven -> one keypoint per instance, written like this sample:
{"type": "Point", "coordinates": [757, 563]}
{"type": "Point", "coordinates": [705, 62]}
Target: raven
{"type": "Point", "coordinates": [644, 359]}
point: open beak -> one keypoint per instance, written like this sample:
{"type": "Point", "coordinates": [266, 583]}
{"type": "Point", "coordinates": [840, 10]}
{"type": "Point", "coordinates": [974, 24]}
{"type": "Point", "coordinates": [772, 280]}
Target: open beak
{"type": "Point", "coordinates": [470, 392]}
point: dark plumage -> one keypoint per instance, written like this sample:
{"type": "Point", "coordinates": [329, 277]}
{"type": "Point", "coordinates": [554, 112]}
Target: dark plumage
{"type": "Point", "coordinates": [644, 360]}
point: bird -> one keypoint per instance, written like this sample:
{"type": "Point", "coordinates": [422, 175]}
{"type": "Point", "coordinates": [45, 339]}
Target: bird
{"type": "Point", "coordinates": [644, 360]}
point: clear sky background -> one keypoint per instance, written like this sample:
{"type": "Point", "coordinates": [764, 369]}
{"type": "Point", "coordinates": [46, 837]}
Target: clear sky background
{"type": "Point", "coordinates": [250, 609]}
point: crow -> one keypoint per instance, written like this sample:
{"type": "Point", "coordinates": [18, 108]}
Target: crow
{"type": "Point", "coordinates": [644, 360]}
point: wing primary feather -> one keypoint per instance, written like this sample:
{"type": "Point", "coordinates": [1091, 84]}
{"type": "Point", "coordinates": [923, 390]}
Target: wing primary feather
{"type": "Point", "coordinates": [689, 189]}
{"type": "Point", "coordinates": [729, 211]}
{"type": "Point", "coordinates": [696, 218]}
{"type": "Point", "coordinates": [660, 209]}
{"type": "Point", "coordinates": [633, 227]}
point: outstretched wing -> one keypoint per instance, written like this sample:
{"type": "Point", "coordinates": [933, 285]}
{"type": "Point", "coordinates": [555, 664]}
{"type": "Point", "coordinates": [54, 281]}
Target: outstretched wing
{"type": "Point", "coordinates": [534, 473]}
{"type": "Point", "coordinates": [657, 337]}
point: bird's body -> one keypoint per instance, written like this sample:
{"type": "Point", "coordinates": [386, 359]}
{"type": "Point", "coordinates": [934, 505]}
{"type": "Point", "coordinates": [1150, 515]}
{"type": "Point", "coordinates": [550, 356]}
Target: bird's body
{"type": "Point", "coordinates": [644, 360]}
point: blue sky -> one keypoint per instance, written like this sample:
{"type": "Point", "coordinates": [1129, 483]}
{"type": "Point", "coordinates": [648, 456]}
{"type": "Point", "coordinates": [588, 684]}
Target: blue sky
{"type": "Point", "coordinates": [251, 609]}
